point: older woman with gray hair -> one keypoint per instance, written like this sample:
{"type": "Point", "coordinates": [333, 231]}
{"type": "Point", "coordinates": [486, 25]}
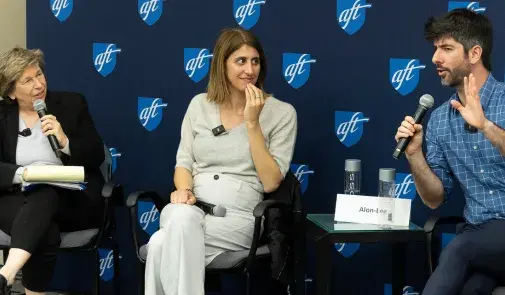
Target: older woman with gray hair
{"type": "Point", "coordinates": [34, 218]}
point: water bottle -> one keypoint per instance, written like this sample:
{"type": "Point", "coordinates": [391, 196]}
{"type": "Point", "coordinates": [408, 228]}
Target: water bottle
{"type": "Point", "coordinates": [387, 190]}
{"type": "Point", "coordinates": [352, 180]}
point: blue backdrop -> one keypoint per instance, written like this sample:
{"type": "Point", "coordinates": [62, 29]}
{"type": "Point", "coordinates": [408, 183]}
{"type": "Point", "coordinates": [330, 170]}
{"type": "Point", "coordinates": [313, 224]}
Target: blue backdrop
{"type": "Point", "coordinates": [351, 68]}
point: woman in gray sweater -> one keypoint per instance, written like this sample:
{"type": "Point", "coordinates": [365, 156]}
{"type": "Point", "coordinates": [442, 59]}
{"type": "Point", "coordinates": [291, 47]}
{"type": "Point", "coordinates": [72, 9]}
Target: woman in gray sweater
{"type": "Point", "coordinates": [236, 143]}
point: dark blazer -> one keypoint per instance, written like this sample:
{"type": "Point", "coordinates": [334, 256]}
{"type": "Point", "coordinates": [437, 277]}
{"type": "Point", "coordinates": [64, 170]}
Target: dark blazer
{"type": "Point", "coordinates": [284, 231]}
{"type": "Point", "coordinates": [86, 146]}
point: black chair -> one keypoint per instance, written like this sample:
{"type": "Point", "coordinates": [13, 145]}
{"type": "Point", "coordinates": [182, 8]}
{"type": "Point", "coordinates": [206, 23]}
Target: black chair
{"type": "Point", "coordinates": [90, 239]}
{"type": "Point", "coordinates": [245, 261]}
{"type": "Point", "coordinates": [433, 242]}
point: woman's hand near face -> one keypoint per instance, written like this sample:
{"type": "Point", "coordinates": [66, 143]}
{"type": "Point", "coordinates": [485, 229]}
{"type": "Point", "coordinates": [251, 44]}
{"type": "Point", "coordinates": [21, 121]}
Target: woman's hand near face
{"type": "Point", "coordinates": [255, 101]}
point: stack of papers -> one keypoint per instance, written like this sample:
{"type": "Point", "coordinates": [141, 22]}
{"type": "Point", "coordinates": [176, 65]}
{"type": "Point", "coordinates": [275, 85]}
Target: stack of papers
{"type": "Point", "coordinates": [68, 177]}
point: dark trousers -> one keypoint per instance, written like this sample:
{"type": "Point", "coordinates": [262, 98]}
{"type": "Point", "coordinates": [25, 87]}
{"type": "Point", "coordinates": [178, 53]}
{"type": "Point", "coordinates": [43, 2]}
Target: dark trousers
{"type": "Point", "coordinates": [34, 221]}
{"type": "Point", "coordinates": [472, 263]}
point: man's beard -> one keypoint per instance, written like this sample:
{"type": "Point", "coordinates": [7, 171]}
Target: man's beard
{"type": "Point", "coordinates": [455, 78]}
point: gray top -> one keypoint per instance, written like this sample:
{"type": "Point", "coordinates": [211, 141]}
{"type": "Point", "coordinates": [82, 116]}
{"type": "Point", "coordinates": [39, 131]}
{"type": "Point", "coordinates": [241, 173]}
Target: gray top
{"type": "Point", "coordinates": [228, 153]}
{"type": "Point", "coordinates": [34, 149]}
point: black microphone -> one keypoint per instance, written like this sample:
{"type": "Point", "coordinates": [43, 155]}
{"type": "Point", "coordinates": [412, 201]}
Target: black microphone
{"type": "Point", "coordinates": [40, 107]}
{"type": "Point", "coordinates": [25, 132]}
{"type": "Point", "coordinates": [470, 128]}
{"type": "Point", "coordinates": [425, 102]}
{"type": "Point", "coordinates": [216, 210]}
{"type": "Point", "coordinates": [218, 130]}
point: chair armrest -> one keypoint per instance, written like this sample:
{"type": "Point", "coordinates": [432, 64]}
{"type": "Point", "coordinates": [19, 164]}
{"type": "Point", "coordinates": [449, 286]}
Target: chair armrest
{"type": "Point", "coordinates": [112, 194]}
{"type": "Point", "coordinates": [262, 206]}
{"type": "Point", "coordinates": [134, 197]}
{"type": "Point", "coordinates": [431, 247]}
{"type": "Point", "coordinates": [258, 212]}
{"type": "Point", "coordinates": [434, 221]}
{"type": "Point", "coordinates": [131, 203]}
{"type": "Point", "coordinates": [108, 189]}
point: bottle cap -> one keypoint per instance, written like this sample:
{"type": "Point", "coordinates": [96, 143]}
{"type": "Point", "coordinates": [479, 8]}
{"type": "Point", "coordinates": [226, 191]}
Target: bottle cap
{"type": "Point", "coordinates": [387, 174]}
{"type": "Point", "coordinates": [353, 165]}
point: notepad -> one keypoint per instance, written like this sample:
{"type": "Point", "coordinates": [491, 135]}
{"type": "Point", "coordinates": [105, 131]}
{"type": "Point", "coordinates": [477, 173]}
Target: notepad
{"type": "Point", "coordinates": [54, 173]}
{"type": "Point", "coordinates": [68, 177]}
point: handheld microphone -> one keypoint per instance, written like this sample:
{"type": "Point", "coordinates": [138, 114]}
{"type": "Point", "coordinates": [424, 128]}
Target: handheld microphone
{"type": "Point", "coordinates": [215, 210]}
{"type": "Point", "coordinates": [425, 102]}
{"type": "Point", "coordinates": [40, 107]}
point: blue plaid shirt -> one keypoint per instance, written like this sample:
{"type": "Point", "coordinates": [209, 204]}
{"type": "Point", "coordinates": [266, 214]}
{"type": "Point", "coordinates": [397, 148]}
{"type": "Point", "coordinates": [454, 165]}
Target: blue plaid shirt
{"type": "Point", "coordinates": [454, 153]}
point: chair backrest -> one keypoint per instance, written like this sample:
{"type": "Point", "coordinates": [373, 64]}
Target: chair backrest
{"type": "Point", "coordinates": [106, 166]}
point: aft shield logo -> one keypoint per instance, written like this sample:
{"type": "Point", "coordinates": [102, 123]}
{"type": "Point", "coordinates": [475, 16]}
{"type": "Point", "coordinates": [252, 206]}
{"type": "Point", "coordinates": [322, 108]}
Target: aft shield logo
{"type": "Point", "coordinates": [196, 63]}
{"type": "Point", "coordinates": [475, 6]}
{"type": "Point", "coordinates": [405, 186]}
{"type": "Point", "coordinates": [347, 249]}
{"type": "Point", "coordinates": [302, 174]}
{"type": "Point", "coordinates": [404, 74]}
{"type": "Point", "coordinates": [296, 68]}
{"type": "Point", "coordinates": [106, 264]}
{"type": "Point", "coordinates": [148, 217]}
{"type": "Point", "coordinates": [61, 9]}
{"type": "Point", "coordinates": [351, 14]}
{"type": "Point", "coordinates": [349, 127]}
{"type": "Point", "coordinates": [104, 57]}
{"type": "Point", "coordinates": [150, 10]}
{"type": "Point", "coordinates": [247, 12]}
{"type": "Point", "coordinates": [149, 112]}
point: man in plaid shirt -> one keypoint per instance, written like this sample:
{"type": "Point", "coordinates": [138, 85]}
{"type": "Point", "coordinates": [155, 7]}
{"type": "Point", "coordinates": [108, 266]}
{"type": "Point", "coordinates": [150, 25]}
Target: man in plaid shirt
{"type": "Point", "coordinates": [466, 142]}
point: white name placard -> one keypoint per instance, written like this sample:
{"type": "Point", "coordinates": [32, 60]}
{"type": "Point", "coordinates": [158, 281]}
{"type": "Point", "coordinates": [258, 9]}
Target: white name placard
{"type": "Point", "coordinates": [372, 210]}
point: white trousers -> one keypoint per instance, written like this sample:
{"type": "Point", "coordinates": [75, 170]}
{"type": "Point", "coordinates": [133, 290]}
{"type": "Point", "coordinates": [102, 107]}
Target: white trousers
{"type": "Point", "coordinates": [188, 240]}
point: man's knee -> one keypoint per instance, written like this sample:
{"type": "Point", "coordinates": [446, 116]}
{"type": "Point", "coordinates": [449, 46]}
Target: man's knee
{"type": "Point", "coordinates": [478, 284]}
{"type": "Point", "coordinates": [461, 247]}
{"type": "Point", "coordinates": [180, 215]}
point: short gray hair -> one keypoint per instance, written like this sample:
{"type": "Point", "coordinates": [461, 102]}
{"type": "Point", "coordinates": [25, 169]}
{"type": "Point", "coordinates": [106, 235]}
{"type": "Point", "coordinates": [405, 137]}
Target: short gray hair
{"type": "Point", "coordinates": [13, 63]}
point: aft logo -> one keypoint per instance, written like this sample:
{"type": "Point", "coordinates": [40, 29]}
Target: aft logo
{"type": "Point", "coordinates": [404, 74]}
{"type": "Point", "coordinates": [149, 112]}
{"type": "Point", "coordinates": [115, 156]}
{"type": "Point", "coordinates": [302, 174]}
{"type": "Point", "coordinates": [475, 6]}
{"type": "Point", "coordinates": [104, 57]}
{"type": "Point", "coordinates": [148, 217]}
{"type": "Point", "coordinates": [296, 68]}
{"type": "Point", "coordinates": [351, 14]}
{"type": "Point", "coordinates": [61, 9]}
{"type": "Point", "coordinates": [196, 63]}
{"type": "Point", "coordinates": [106, 264]}
{"type": "Point", "coordinates": [349, 127]}
{"type": "Point", "coordinates": [247, 12]}
{"type": "Point", "coordinates": [347, 249]}
{"type": "Point", "coordinates": [407, 290]}
{"type": "Point", "coordinates": [405, 187]}
{"type": "Point", "coordinates": [150, 11]}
